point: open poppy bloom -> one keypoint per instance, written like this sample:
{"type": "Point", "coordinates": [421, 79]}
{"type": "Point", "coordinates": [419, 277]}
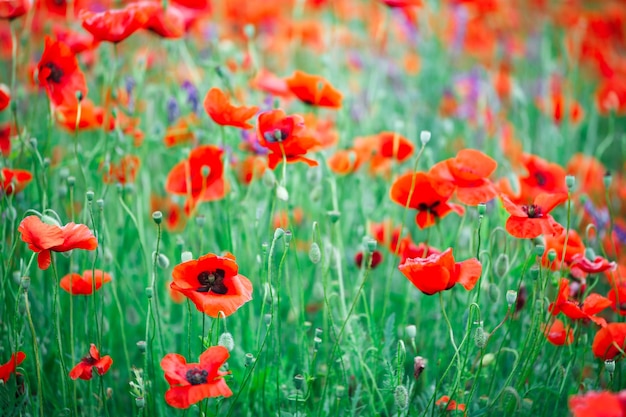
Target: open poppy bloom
{"type": "Point", "coordinates": [610, 341]}
{"type": "Point", "coordinates": [314, 90]}
{"type": "Point", "coordinates": [91, 116]}
{"type": "Point", "coordinates": [595, 266]}
{"type": "Point", "coordinates": [542, 177]}
{"type": "Point", "coordinates": [439, 272]}
{"type": "Point", "coordinates": [84, 369]}
{"type": "Point", "coordinates": [593, 304]}
{"type": "Point", "coordinates": [532, 220]}
{"type": "Point", "coordinates": [575, 246]}
{"type": "Point", "coordinates": [181, 131]}
{"type": "Point", "coordinates": [598, 404]}
{"type": "Point", "coordinates": [43, 238]}
{"type": "Point", "coordinates": [76, 284]}
{"type": "Point", "coordinates": [200, 178]}
{"type": "Point", "coordinates": [213, 284]}
{"type": "Point", "coordinates": [376, 256]}
{"type": "Point", "coordinates": [617, 295]}
{"type": "Point", "coordinates": [223, 113]}
{"type": "Point", "coordinates": [558, 334]}
{"type": "Point", "coordinates": [192, 382]}
{"type": "Point", "coordinates": [114, 25]}
{"type": "Point", "coordinates": [394, 145]}
{"type": "Point", "coordinates": [468, 173]}
{"type": "Point", "coordinates": [284, 137]}
{"type": "Point", "coordinates": [12, 9]}
{"type": "Point", "coordinates": [59, 73]}
{"type": "Point", "coordinates": [13, 181]}
{"type": "Point", "coordinates": [425, 197]}
{"type": "Point", "coordinates": [9, 368]}
{"type": "Point", "coordinates": [167, 22]}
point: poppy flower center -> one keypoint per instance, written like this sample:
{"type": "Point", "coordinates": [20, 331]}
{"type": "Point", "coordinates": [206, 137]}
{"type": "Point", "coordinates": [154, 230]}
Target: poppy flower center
{"type": "Point", "coordinates": [196, 376]}
{"type": "Point", "coordinates": [426, 207]}
{"type": "Point", "coordinates": [276, 135]}
{"type": "Point", "coordinates": [89, 360]}
{"type": "Point", "coordinates": [212, 281]}
{"type": "Point", "coordinates": [532, 210]}
{"type": "Point", "coordinates": [541, 179]}
{"type": "Point", "coordinates": [56, 73]}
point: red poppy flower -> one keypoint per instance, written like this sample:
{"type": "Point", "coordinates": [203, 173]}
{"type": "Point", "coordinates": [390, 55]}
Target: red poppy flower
{"type": "Point", "coordinates": [114, 25]}
{"type": "Point", "coordinates": [533, 220]}
{"type": "Point", "coordinates": [611, 95]}
{"type": "Point", "coordinates": [76, 284]}
{"type": "Point", "coordinates": [542, 177]}
{"type": "Point", "coordinates": [213, 284]}
{"type": "Point", "coordinates": [599, 264]}
{"type": "Point", "coordinates": [200, 177]}
{"type": "Point", "coordinates": [6, 131]}
{"type": "Point", "coordinates": [167, 22]}
{"type": "Point", "coordinates": [610, 341]}
{"type": "Point", "coordinates": [439, 272]}
{"type": "Point", "coordinates": [8, 368]}
{"type": "Point", "coordinates": [78, 42]}
{"type": "Point", "coordinates": [283, 134]}
{"type": "Point", "coordinates": [59, 73]}
{"type": "Point", "coordinates": [593, 304]}
{"type": "Point", "coordinates": [5, 97]}
{"type": "Point", "coordinates": [91, 116]}
{"type": "Point", "coordinates": [192, 382]}
{"type": "Point", "coordinates": [13, 181]}
{"type": "Point", "coordinates": [426, 198]}
{"type": "Point", "coordinates": [377, 258]}
{"type": "Point", "coordinates": [598, 404]}
{"type": "Point", "coordinates": [617, 295]}
{"type": "Point", "coordinates": [84, 368]}
{"type": "Point", "coordinates": [223, 113]}
{"type": "Point", "coordinates": [12, 9]}
{"type": "Point", "coordinates": [558, 334]}
{"type": "Point", "coordinates": [444, 401]}
{"type": "Point", "coordinates": [394, 145]}
{"type": "Point", "coordinates": [43, 238]}
{"type": "Point", "coordinates": [174, 218]}
{"type": "Point", "coordinates": [575, 246]}
{"type": "Point", "coordinates": [468, 173]}
{"type": "Point", "coordinates": [270, 83]}
{"type": "Point", "coordinates": [181, 131]}
{"type": "Point", "coordinates": [314, 90]}
{"type": "Point", "coordinates": [123, 172]}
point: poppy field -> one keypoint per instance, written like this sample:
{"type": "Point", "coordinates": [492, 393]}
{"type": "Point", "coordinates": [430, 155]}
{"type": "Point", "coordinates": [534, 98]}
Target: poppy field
{"type": "Point", "coordinates": [313, 208]}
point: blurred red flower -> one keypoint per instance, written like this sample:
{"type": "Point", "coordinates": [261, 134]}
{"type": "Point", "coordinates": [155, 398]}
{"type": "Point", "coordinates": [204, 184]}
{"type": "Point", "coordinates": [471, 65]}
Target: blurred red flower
{"type": "Point", "coordinates": [598, 404]}
{"type": "Point", "coordinates": [193, 382]}
{"type": "Point", "coordinates": [76, 284]}
{"type": "Point", "coordinates": [5, 96]}
{"type": "Point", "coordinates": [558, 334]}
{"type": "Point", "coordinates": [610, 341]}
{"type": "Point", "coordinates": [218, 107]}
{"type": "Point", "coordinates": [115, 25]}
{"type": "Point", "coordinates": [314, 90]}
{"type": "Point", "coordinates": [12, 9]}
{"type": "Point", "coordinates": [8, 368]}
{"type": "Point", "coordinates": [13, 181]}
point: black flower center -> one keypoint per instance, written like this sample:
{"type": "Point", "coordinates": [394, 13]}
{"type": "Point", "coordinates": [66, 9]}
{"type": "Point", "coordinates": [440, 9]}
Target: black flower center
{"type": "Point", "coordinates": [89, 360]}
{"type": "Point", "coordinates": [277, 135]}
{"type": "Point", "coordinates": [56, 73]}
{"type": "Point", "coordinates": [196, 376]}
{"type": "Point", "coordinates": [541, 179]}
{"type": "Point", "coordinates": [426, 207]}
{"type": "Point", "coordinates": [532, 210]}
{"type": "Point", "coordinates": [212, 281]}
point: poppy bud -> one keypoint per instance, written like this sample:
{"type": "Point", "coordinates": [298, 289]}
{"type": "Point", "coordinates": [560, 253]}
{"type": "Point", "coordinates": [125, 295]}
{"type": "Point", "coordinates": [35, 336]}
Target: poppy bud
{"type": "Point", "coordinates": [89, 195]}
{"type": "Point", "coordinates": [317, 341]}
{"type": "Point", "coordinates": [502, 265]}
{"type": "Point", "coordinates": [79, 95]}
{"type": "Point", "coordinates": [282, 193]}
{"type": "Point", "coordinates": [109, 393]}
{"type": "Point", "coordinates": [419, 364]}
{"type": "Point", "coordinates": [607, 179]}
{"type": "Point", "coordinates": [609, 365]}
{"type": "Point", "coordinates": [268, 178]}
{"type": "Point", "coordinates": [149, 292]}
{"type": "Point", "coordinates": [200, 220]}
{"type": "Point", "coordinates": [248, 359]}
{"type": "Point", "coordinates": [278, 233]}
{"type": "Point", "coordinates": [287, 236]}
{"type": "Point", "coordinates": [33, 142]}
{"type": "Point", "coordinates": [488, 359]}
{"type": "Point", "coordinates": [315, 254]}
{"type": "Point", "coordinates": [226, 340]}
{"type": "Point", "coordinates": [299, 383]}
{"type": "Point", "coordinates": [163, 261]}
{"type": "Point", "coordinates": [551, 255]}
{"type": "Point", "coordinates": [570, 181]}
{"type": "Point", "coordinates": [50, 220]}
{"type": "Point", "coordinates": [480, 338]}
{"type": "Point", "coordinates": [511, 297]}
{"type": "Point", "coordinates": [401, 397]}
{"type": "Point", "coordinates": [340, 390]}
{"type": "Point", "coordinates": [590, 253]}
{"type": "Point", "coordinates": [539, 250]}
{"type": "Point", "coordinates": [140, 402]}
{"type": "Point", "coordinates": [494, 292]}
{"type": "Point", "coordinates": [157, 217]}
{"type": "Point", "coordinates": [141, 345]}
{"type": "Point", "coordinates": [186, 256]}
{"type": "Point", "coordinates": [71, 180]}
{"type": "Point", "coordinates": [334, 216]}
{"type": "Point", "coordinates": [25, 283]}
{"type": "Point", "coordinates": [481, 208]}
{"type": "Point", "coordinates": [370, 244]}
{"type": "Point", "coordinates": [424, 137]}
{"type": "Point", "coordinates": [411, 331]}
{"type": "Point", "coordinates": [205, 170]}
{"type": "Point", "coordinates": [268, 319]}
{"type": "Point", "coordinates": [318, 332]}
{"type": "Point", "coordinates": [100, 203]}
